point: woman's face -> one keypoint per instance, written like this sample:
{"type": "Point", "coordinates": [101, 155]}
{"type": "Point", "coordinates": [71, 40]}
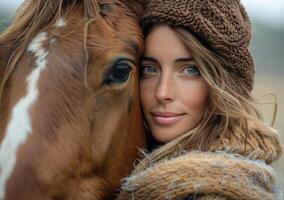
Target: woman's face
{"type": "Point", "coordinates": [174, 95]}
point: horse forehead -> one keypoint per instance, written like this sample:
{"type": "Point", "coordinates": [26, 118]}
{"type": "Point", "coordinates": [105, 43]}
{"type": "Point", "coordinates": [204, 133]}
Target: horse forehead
{"type": "Point", "coordinates": [108, 41]}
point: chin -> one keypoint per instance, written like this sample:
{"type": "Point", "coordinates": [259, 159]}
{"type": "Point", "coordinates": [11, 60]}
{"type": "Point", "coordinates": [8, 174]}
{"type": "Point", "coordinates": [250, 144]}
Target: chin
{"type": "Point", "coordinates": [163, 136]}
{"type": "Point", "coordinates": [167, 134]}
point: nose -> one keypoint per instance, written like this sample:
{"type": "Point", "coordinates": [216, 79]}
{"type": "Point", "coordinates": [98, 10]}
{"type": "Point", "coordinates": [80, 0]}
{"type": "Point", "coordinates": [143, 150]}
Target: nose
{"type": "Point", "coordinates": [165, 89]}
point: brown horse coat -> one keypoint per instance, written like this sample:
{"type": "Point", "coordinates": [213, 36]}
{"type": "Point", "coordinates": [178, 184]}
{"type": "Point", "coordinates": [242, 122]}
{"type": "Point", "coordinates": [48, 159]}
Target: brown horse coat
{"type": "Point", "coordinates": [69, 113]}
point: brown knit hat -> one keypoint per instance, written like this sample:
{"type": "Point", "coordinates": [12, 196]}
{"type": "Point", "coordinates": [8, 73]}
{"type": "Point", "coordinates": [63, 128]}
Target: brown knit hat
{"type": "Point", "coordinates": [222, 24]}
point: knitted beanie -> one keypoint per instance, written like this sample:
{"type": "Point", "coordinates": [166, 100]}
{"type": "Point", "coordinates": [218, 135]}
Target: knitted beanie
{"type": "Point", "coordinates": [222, 24]}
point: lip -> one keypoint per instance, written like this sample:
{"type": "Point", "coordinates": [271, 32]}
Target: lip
{"type": "Point", "coordinates": [166, 118]}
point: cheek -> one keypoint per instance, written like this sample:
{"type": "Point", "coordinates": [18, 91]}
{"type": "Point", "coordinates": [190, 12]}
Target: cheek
{"type": "Point", "coordinates": [146, 93]}
{"type": "Point", "coordinates": [196, 97]}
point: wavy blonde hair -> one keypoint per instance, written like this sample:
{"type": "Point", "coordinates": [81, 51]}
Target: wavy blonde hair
{"type": "Point", "coordinates": [231, 109]}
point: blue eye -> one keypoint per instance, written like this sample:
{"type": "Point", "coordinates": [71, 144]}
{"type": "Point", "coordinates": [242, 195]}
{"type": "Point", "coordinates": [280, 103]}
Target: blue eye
{"type": "Point", "coordinates": [191, 70]}
{"type": "Point", "coordinates": [149, 69]}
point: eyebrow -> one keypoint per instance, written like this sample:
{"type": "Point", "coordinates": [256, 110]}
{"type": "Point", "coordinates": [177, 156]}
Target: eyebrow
{"type": "Point", "coordinates": [188, 59]}
{"type": "Point", "coordinates": [146, 58]}
{"type": "Point", "coordinates": [184, 59]}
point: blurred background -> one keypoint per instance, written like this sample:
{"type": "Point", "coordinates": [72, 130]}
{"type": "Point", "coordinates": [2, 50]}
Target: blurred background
{"type": "Point", "coordinates": [267, 48]}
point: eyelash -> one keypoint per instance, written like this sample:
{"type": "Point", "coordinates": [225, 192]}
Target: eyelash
{"type": "Point", "coordinates": [148, 67]}
{"type": "Point", "coordinates": [156, 70]}
{"type": "Point", "coordinates": [197, 72]}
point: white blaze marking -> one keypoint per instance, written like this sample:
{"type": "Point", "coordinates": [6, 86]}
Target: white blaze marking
{"type": "Point", "coordinates": [19, 127]}
{"type": "Point", "coordinates": [60, 23]}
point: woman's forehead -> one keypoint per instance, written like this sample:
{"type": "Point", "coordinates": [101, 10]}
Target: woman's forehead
{"type": "Point", "coordinates": [163, 42]}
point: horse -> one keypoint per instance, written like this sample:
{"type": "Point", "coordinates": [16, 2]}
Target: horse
{"type": "Point", "coordinates": [70, 119]}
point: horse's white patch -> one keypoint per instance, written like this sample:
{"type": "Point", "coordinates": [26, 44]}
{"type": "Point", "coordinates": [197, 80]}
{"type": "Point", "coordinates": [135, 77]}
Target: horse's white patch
{"type": "Point", "coordinates": [52, 40]}
{"type": "Point", "coordinates": [19, 126]}
{"type": "Point", "coordinates": [60, 23]}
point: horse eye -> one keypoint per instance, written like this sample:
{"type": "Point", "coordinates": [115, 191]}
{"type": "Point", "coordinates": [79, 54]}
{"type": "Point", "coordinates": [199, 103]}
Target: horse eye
{"type": "Point", "coordinates": [119, 73]}
{"type": "Point", "coordinates": [105, 8]}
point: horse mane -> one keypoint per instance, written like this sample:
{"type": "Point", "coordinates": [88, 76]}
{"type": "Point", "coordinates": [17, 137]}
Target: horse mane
{"type": "Point", "coordinates": [31, 17]}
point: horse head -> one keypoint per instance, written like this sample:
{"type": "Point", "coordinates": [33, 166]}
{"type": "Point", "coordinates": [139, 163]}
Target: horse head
{"type": "Point", "coordinates": [70, 121]}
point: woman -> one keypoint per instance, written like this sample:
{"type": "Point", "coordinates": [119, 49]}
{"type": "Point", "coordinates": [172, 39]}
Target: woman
{"type": "Point", "coordinates": [208, 140]}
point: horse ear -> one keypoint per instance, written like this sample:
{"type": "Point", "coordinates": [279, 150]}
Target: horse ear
{"type": "Point", "coordinates": [136, 5]}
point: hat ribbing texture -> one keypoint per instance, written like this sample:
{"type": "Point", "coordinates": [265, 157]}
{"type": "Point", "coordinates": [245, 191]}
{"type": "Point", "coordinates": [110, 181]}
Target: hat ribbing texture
{"type": "Point", "coordinates": [223, 24]}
